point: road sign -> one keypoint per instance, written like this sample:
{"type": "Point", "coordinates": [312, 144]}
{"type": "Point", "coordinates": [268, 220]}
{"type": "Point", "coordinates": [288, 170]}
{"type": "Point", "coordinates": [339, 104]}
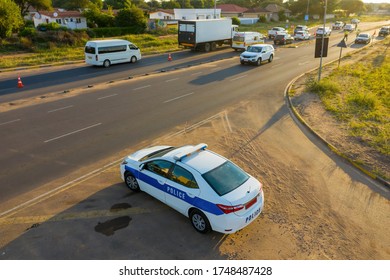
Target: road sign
{"type": "Point", "coordinates": [318, 49]}
{"type": "Point", "coordinates": [342, 44]}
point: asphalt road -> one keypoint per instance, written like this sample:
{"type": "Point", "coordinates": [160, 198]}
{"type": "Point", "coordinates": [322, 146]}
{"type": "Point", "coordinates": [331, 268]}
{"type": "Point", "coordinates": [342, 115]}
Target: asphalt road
{"type": "Point", "coordinates": [43, 142]}
{"type": "Point", "coordinates": [317, 206]}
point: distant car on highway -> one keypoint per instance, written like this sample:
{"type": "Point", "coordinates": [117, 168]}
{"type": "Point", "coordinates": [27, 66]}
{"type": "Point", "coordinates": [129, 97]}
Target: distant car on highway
{"type": "Point", "coordinates": [321, 30]}
{"type": "Point", "coordinates": [211, 190]}
{"type": "Point", "coordinates": [276, 31]}
{"type": "Point", "coordinates": [349, 27]}
{"type": "Point", "coordinates": [384, 31]}
{"type": "Point", "coordinates": [355, 21]}
{"type": "Point", "coordinates": [283, 39]}
{"type": "Point", "coordinates": [338, 25]}
{"type": "Point", "coordinates": [256, 54]}
{"type": "Point", "coordinates": [300, 28]}
{"type": "Point", "coordinates": [302, 35]}
{"type": "Point", "coordinates": [363, 38]}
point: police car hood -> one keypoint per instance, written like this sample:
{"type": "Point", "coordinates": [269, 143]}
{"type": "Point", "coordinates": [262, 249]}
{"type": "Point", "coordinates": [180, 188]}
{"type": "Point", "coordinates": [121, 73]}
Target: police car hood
{"type": "Point", "coordinates": [244, 193]}
{"type": "Point", "coordinates": [144, 152]}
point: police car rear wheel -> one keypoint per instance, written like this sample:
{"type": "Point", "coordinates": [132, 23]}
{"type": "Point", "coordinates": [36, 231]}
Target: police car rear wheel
{"type": "Point", "coordinates": [131, 182]}
{"type": "Point", "coordinates": [199, 221]}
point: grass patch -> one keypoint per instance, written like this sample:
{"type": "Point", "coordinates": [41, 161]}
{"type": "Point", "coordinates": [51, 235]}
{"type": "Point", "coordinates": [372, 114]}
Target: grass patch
{"type": "Point", "coordinates": [359, 96]}
{"type": "Point", "coordinates": [24, 52]}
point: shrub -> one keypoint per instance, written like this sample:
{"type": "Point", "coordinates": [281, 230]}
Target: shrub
{"type": "Point", "coordinates": [28, 32]}
{"type": "Point", "coordinates": [262, 19]}
{"type": "Point", "coordinates": [236, 21]}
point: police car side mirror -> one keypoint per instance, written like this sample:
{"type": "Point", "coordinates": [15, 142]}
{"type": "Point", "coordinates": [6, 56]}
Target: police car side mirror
{"type": "Point", "coordinates": [141, 166]}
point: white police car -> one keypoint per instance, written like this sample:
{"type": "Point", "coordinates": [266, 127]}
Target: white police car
{"type": "Point", "coordinates": [202, 185]}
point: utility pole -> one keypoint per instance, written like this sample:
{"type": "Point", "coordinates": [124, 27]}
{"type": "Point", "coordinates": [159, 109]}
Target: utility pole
{"type": "Point", "coordinates": [323, 39]}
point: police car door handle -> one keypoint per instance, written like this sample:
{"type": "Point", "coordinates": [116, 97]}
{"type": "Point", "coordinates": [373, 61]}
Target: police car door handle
{"type": "Point", "coordinates": [161, 182]}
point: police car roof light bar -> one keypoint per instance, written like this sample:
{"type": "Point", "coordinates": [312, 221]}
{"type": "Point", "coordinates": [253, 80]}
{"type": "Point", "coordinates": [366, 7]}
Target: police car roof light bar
{"type": "Point", "coordinates": [190, 151]}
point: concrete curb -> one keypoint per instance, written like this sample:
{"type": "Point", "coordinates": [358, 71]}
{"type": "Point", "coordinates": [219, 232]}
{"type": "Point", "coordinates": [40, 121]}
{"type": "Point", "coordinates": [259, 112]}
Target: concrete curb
{"type": "Point", "coordinates": [332, 148]}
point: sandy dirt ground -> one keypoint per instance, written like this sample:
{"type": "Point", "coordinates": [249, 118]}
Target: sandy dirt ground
{"type": "Point", "coordinates": [307, 215]}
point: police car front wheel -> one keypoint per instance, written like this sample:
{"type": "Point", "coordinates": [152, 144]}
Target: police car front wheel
{"type": "Point", "coordinates": [199, 221]}
{"type": "Point", "coordinates": [131, 182]}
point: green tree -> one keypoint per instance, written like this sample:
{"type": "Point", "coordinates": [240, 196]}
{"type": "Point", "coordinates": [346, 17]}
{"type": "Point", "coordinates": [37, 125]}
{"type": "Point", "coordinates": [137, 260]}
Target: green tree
{"type": "Point", "coordinates": [132, 17]}
{"type": "Point", "coordinates": [115, 4]}
{"type": "Point", "coordinates": [71, 4]}
{"type": "Point", "coordinates": [197, 4]}
{"type": "Point", "coordinates": [171, 4]}
{"type": "Point", "coordinates": [185, 4]}
{"type": "Point", "coordinates": [96, 18]}
{"type": "Point", "coordinates": [97, 3]}
{"type": "Point", "coordinates": [352, 6]}
{"type": "Point", "coordinates": [10, 18]}
{"type": "Point", "coordinates": [24, 5]}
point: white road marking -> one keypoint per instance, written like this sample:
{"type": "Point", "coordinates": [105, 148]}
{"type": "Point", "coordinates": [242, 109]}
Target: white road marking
{"type": "Point", "coordinates": [73, 132]}
{"type": "Point", "coordinates": [59, 109]}
{"type": "Point", "coordinates": [138, 88]}
{"type": "Point", "coordinates": [240, 77]}
{"type": "Point", "coordinates": [166, 101]}
{"type": "Point", "coordinates": [276, 65]}
{"type": "Point", "coordinates": [303, 63]}
{"type": "Point", "coordinates": [10, 122]}
{"type": "Point", "coordinates": [171, 80]}
{"type": "Point", "coordinates": [197, 73]}
{"type": "Point", "coordinates": [107, 96]}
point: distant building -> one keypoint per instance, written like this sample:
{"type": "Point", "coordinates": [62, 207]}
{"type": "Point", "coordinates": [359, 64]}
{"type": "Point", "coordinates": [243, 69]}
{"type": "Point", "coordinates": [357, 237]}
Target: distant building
{"type": "Point", "coordinates": [275, 9]}
{"type": "Point", "coordinates": [69, 19]}
{"type": "Point", "coordinates": [193, 14]}
{"type": "Point", "coordinates": [162, 14]}
{"type": "Point", "coordinates": [231, 10]}
{"type": "Point", "coordinates": [257, 13]}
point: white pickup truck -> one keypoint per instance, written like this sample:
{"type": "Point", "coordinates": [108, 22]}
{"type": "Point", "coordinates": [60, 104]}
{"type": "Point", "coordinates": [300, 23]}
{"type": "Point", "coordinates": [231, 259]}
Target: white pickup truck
{"type": "Point", "coordinates": [276, 31]}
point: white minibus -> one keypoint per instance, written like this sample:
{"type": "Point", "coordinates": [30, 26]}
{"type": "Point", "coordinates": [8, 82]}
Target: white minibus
{"type": "Point", "coordinates": [107, 52]}
{"type": "Point", "coordinates": [241, 40]}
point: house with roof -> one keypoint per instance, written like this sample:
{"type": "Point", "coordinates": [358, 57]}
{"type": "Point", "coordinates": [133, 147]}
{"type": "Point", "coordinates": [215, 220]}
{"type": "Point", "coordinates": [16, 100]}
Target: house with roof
{"type": "Point", "coordinates": [231, 10]}
{"type": "Point", "coordinates": [257, 13]}
{"type": "Point", "coordinates": [274, 9]}
{"type": "Point", "coordinates": [69, 19]}
{"type": "Point", "coordinates": [162, 14]}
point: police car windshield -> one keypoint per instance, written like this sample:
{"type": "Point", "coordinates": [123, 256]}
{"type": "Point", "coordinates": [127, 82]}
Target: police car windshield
{"type": "Point", "coordinates": [225, 178]}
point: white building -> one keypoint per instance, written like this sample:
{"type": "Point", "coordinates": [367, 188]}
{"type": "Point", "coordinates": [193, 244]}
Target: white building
{"type": "Point", "coordinates": [192, 14]}
{"type": "Point", "coordinates": [162, 14]}
{"type": "Point", "coordinates": [69, 19]}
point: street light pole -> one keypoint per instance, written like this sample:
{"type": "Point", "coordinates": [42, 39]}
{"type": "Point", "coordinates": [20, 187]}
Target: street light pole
{"type": "Point", "coordinates": [323, 40]}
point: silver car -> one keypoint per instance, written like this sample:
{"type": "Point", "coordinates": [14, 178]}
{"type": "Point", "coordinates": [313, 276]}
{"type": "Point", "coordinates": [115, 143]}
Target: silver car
{"type": "Point", "coordinates": [258, 53]}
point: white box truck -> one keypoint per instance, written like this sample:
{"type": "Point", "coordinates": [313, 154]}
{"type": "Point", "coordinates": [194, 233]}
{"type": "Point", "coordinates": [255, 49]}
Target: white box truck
{"type": "Point", "coordinates": [205, 34]}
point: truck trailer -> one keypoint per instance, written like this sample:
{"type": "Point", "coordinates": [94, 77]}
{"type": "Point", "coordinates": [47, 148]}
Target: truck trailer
{"type": "Point", "coordinates": [205, 34]}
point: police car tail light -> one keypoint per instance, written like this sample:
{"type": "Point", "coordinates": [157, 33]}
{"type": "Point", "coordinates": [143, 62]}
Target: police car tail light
{"type": "Point", "coordinates": [230, 209]}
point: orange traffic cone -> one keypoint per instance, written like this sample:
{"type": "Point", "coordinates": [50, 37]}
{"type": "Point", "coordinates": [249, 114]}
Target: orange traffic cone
{"type": "Point", "coordinates": [20, 84]}
{"type": "Point", "coordinates": [169, 57]}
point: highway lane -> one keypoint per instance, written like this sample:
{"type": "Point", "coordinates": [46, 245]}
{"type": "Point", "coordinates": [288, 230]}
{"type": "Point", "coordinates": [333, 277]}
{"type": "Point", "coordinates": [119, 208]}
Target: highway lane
{"type": "Point", "coordinates": [57, 79]}
{"type": "Point", "coordinates": [47, 141]}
